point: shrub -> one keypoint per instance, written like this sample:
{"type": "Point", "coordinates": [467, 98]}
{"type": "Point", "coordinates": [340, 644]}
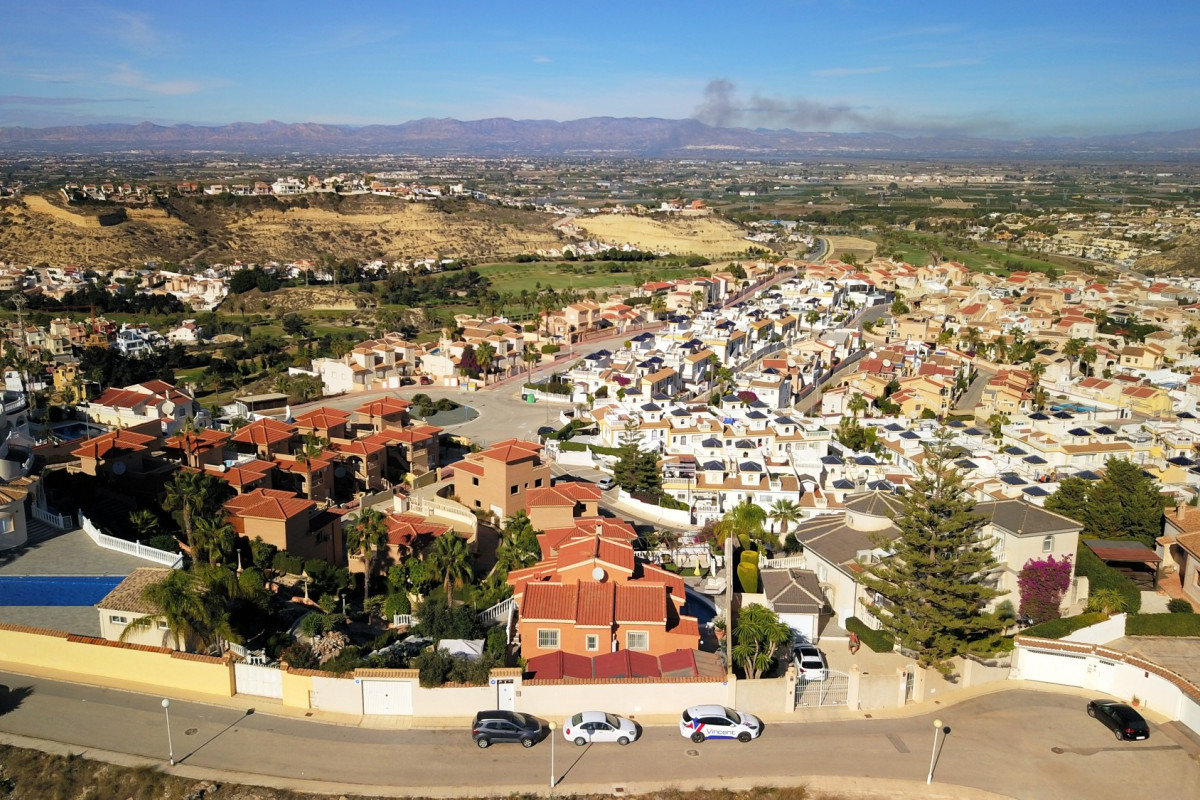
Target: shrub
{"type": "Point", "coordinates": [397, 603]}
{"type": "Point", "coordinates": [747, 574]}
{"type": "Point", "coordinates": [1162, 625]}
{"type": "Point", "coordinates": [288, 563]}
{"type": "Point", "coordinates": [299, 655]}
{"type": "Point", "coordinates": [879, 641]}
{"type": "Point", "coordinates": [315, 623]}
{"type": "Point", "coordinates": [1058, 628]}
{"type": "Point", "coordinates": [792, 545]}
{"type": "Point", "coordinates": [1106, 601]}
{"type": "Point", "coordinates": [749, 557]}
{"type": "Point", "coordinates": [550, 349]}
{"type": "Point", "coordinates": [1101, 576]}
{"type": "Point", "coordinates": [1180, 606]}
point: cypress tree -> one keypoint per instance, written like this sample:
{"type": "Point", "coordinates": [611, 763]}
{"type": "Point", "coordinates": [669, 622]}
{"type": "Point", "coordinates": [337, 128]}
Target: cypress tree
{"type": "Point", "coordinates": [932, 589]}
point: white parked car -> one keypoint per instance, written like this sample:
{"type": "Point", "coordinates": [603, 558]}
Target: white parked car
{"type": "Point", "coordinates": [718, 722]}
{"type": "Point", "coordinates": [599, 726]}
{"type": "Point", "coordinates": [810, 662]}
{"type": "Point", "coordinates": [606, 483]}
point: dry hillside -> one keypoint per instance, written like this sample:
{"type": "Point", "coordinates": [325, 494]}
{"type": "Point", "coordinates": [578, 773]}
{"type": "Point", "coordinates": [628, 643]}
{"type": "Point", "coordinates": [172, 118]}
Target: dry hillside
{"type": "Point", "coordinates": [1182, 259]}
{"type": "Point", "coordinates": [706, 235]}
{"type": "Point", "coordinates": [41, 229]}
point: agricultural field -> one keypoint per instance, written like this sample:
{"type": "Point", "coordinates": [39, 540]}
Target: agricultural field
{"type": "Point", "coordinates": [862, 249]}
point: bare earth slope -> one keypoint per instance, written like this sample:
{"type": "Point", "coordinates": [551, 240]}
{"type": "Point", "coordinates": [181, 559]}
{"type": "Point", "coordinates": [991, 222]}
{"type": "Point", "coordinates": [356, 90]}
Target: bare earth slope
{"type": "Point", "coordinates": [1183, 259]}
{"type": "Point", "coordinates": [41, 229]}
{"type": "Point", "coordinates": [706, 235]}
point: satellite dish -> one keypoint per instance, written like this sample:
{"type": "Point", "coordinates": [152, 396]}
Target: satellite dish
{"type": "Point", "coordinates": [119, 468]}
{"type": "Point", "coordinates": [598, 574]}
{"type": "Point", "coordinates": [887, 362]}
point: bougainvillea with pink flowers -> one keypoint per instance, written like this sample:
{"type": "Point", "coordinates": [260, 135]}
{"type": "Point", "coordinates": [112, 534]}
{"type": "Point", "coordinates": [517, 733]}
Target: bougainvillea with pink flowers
{"type": "Point", "coordinates": [1042, 584]}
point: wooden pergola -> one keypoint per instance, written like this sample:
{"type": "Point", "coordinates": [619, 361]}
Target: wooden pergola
{"type": "Point", "coordinates": [1116, 553]}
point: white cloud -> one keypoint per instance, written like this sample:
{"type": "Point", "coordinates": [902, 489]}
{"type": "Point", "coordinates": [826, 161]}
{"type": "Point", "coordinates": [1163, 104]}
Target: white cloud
{"type": "Point", "coordinates": [542, 59]}
{"type": "Point", "coordinates": [127, 76]}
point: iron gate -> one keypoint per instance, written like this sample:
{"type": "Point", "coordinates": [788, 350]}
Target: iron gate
{"type": "Point", "coordinates": [830, 692]}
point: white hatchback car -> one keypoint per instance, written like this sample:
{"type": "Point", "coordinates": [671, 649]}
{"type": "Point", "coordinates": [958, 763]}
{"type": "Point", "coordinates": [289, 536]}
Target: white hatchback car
{"type": "Point", "coordinates": [718, 722]}
{"type": "Point", "coordinates": [599, 726]}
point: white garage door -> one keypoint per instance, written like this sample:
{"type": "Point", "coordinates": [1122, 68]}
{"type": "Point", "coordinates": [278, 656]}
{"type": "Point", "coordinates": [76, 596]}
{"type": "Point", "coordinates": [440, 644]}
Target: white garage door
{"type": "Point", "coordinates": [1061, 668]}
{"type": "Point", "coordinates": [387, 697]}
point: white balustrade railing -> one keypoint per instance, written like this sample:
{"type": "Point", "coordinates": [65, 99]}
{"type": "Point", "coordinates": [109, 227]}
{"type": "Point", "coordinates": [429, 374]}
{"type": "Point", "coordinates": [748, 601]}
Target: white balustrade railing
{"type": "Point", "coordinates": [63, 522]}
{"type": "Point", "coordinates": [787, 562]}
{"type": "Point", "coordinates": [497, 613]}
{"type": "Point", "coordinates": [137, 549]}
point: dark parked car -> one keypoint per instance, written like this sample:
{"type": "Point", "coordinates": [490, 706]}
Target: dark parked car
{"type": "Point", "coordinates": [506, 726]}
{"type": "Point", "coordinates": [1120, 718]}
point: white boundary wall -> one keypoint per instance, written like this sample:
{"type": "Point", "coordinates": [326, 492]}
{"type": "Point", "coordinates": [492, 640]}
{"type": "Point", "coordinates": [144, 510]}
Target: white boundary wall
{"type": "Point", "coordinates": [1092, 667]}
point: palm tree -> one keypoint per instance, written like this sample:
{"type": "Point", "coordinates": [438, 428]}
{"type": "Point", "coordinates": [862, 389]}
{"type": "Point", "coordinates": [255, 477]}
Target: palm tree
{"type": "Point", "coordinates": [452, 558]}
{"type": "Point", "coordinates": [1189, 333]}
{"type": "Point", "coordinates": [745, 518]}
{"type": "Point", "coordinates": [785, 511]}
{"type": "Point", "coordinates": [366, 540]}
{"type": "Point", "coordinates": [1071, 349]}
{"type": "Point", "coordinates": [1088, 356]}
{"type": "Point", "coordinates": [179, 598]}
{"type": "Point", "coordinates": [484, 353]}
{"type": "Point", "coordinates": [973, 339]}
{"type": "Point", "coordinates": [215, 539]}
{"type": "Point", "coordinates": [658, 304]}
{"type": "Point", "coordinates": [857, 404]}
{"type": "Point", "coordinates": [186, 495]}
{"type": "Point", "coordinates": [757, 636]}
{"type": "Point", "coordinates": [144, 523]}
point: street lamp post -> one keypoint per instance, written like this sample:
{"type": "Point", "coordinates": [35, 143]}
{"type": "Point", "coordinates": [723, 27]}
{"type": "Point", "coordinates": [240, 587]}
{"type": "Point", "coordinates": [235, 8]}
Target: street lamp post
{"type": "Point", "coordinates": [937, 727]}
{"type": "Point", "coordinates": [552, 779]}
{"type": "Point", "coordinates": [166, 704]}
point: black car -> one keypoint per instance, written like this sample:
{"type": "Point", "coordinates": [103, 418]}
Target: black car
{"type": "Point", "coordinates": [506, 726]}
{"type": "Point", "coordinates": [1120, 718]}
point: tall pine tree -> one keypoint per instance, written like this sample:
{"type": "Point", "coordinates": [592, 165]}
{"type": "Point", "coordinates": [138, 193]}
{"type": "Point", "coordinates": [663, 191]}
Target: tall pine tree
{"type": "Point", "coordinates": [933, 587]}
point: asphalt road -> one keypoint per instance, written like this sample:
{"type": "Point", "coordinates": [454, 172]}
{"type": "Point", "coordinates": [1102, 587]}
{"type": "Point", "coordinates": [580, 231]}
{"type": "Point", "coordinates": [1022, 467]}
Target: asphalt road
{"type": "Point", "coordinates": [1017, 743]}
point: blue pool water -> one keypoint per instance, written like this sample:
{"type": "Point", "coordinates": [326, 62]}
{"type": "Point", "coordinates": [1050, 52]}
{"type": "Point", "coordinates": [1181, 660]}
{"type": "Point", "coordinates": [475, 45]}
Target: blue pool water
{"type": "Point", "coordinates": [693, 606]}
{"type": "Point", "coordinates": [1076, 407]}
{"type": "Point", "coordinates": [55, 590]}
{"type": "Point", "coordinates": [76, 430]}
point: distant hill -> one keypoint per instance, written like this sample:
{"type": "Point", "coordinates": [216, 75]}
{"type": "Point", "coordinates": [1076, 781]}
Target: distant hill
{"type": "Point", "coordinates": [592, 137]}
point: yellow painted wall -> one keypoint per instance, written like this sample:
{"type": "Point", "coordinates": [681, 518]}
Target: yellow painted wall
{"type": "Point", "coordinates": [111, 664]}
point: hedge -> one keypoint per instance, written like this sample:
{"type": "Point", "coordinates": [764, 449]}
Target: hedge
{"type": "Point", "coordinates": [1058, 628]}
{"type": "Point", "coordinates": [879, 641]}
{"type": "Point", "coordinates": [1102, 576]}
{"type": "Point", "coordinates": [579, 447]}
{"type": "Point", "coordinates": [1162, 625]}
{"type": "Point", "coordinates": [747, 574]}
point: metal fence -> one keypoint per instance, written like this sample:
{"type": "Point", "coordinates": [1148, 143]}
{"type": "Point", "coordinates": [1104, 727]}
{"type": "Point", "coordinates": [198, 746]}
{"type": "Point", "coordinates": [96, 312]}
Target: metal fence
{"type": "Point", "coordinates": [832, 691]}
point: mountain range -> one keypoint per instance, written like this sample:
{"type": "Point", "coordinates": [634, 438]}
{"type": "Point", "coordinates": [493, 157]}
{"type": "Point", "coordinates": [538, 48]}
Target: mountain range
{"type": "Point", "coordinates": [630, 137]}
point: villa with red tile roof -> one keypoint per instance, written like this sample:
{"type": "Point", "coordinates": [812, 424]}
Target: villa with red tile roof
{"type": "Point", "coordinates": [118, 452]}
{"type": "Point", "coordinates": [498, 478]}
{"type": "Point", "coordinates": [289, 522]}
{"type": "Point", "coordinates": [264, 438]}
{"type": "Point", "coordinates": [559, 505]}
{"type": "Point", "coordinates": [143, 402]}
{"type": "Point", "coordinates": [591, 596]}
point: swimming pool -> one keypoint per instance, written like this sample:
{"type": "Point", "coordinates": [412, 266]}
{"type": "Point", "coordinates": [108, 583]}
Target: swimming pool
{"type": "Point", "coordinates": [77, 430]}
{"type": "Point", "coordinates": [1076, 407]}
{"type": "Point", "coordinates": [55, 590]}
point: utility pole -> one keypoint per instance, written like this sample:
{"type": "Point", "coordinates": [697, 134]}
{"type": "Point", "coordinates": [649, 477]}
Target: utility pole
{"type": "Point", "coordinates": [19, 301]}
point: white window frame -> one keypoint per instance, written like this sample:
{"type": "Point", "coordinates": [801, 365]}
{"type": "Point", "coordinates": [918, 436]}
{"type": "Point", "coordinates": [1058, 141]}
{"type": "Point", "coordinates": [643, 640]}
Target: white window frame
{"type": "Point", "coordinates": [544, 637]}
{"type": "Point", "coordinates": [591, 642]}
{"type": "Point", "coordinates": [1048, 544]}
{"type": "Point", "coordinates": [630, 636]}
{"type": "Point", "coordinates": [117, 619]}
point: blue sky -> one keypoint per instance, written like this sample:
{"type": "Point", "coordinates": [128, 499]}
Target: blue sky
{"type": "Point", "coordinates": [983, 69]}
